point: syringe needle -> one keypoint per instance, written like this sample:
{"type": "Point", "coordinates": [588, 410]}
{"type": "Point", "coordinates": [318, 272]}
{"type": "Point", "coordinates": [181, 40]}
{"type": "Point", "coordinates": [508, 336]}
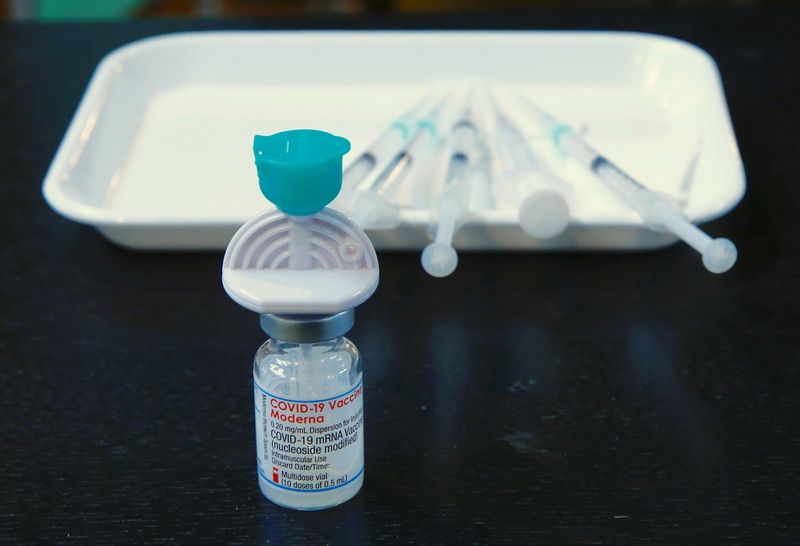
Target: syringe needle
{"type": "Point", "coordinates": [656, 209]}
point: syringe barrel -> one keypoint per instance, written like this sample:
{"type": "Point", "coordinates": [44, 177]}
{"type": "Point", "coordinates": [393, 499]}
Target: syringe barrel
{"type": "Point", "coordinates": [457, 167]}
{"type": "Point", "coordinates": [618, 180]}
{"type": "Point", "coordinates": [513, 150]}
{"type": "Point", "coordinates": [394, 172]}
{"type": "Point", "coordinates": [568, 142]}
{"type": "Point", "coordinates": [388, 143]}
{"type": "Point", "coordinates": [464, 139]}
{"type": "Point", "coordinates": [357, 171]}
{"type": "Point", "coordinates": [463, 150]}
{"type": "Point", "coordinates": [424, 142]}
{"type": "Point", "coordinates": [480, 178]}
{"type": "Point", "coordinates": [391, 140]}
{"type": "Point", "coordinates": [418, 152]}
{"type": "Point", "coordinates": [421, 155]}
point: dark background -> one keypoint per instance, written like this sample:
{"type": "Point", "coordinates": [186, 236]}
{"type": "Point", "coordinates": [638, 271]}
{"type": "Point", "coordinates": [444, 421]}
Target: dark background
{"type": "Point", "coordinates": [65, 10]}
{"type": "Point", "coordinates": [529, 398]}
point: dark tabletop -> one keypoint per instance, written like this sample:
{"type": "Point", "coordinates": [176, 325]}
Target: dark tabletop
{"type": "Point", "coordinates": [529, 398]}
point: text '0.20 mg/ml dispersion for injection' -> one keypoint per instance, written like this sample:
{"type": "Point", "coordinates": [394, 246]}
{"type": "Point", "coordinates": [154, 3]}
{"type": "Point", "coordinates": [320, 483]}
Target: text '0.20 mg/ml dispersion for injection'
{"type": "Point", "coordinates": [304, 268]}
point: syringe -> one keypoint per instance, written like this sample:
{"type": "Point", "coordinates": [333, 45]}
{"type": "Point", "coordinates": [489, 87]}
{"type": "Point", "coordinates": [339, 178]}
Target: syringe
{"type": "Point", "coordinates": [544, 209]}
{"type": "Point", "coordinates": [388, 143]}
{"type": "Point", "coordinates": [371, 206]}
{"type": "Point", "coordinates": [468, 176]}
{"type": "Point", "coordinates": [656, 209]}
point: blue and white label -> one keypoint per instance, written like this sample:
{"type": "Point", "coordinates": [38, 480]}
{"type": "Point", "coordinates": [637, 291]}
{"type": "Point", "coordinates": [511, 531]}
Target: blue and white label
{"type": "Point", "coordinates": [309, 445]}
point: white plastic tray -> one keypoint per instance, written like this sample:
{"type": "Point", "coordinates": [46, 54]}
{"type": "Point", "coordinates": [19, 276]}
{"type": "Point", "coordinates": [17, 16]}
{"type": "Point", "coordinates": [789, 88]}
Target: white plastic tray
{"type": "Point", "coordinates": [159, 153]}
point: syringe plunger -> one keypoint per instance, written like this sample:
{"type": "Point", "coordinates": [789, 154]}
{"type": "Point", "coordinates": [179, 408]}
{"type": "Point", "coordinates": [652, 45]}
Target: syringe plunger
{"type": "Point", "coordinates": [439, 259]}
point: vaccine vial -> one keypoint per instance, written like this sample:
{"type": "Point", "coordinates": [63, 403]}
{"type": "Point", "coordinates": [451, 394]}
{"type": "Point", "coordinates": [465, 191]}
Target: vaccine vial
{"type": "Point", "coordinates": [315, 265]}
{"type": "Point", "coordinates": [309, 412]}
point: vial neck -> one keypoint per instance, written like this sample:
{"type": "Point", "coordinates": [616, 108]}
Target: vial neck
{"type": "Point", "coordinates": [307, 329]}
{"type": "Point", "coordinates": [304, 348]}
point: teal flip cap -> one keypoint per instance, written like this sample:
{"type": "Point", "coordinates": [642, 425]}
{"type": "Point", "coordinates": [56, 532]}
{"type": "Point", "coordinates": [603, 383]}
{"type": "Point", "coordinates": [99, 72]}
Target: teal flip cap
{"type": "Point", "coordinates": [300, 171]}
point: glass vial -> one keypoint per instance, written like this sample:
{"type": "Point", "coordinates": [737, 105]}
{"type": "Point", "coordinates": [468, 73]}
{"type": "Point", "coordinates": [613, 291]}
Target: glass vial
{"type": "Point", "coordinates": [309, 422]}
